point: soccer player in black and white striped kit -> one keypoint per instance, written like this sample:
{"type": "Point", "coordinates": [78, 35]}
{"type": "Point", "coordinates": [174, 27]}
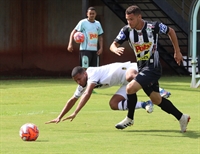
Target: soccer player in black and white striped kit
{"type": "Point", "coordinates": [143, 38]}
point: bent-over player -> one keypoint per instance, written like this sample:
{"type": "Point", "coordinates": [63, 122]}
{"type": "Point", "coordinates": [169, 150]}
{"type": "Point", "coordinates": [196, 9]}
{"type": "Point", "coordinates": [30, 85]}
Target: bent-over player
{"type": "Point", "coordinates": [103, 77]}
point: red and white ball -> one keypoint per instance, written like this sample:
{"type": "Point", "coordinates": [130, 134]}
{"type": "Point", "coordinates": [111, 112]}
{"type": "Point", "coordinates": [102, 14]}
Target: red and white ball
{"type": "Point", "coordinates": [29, 132]}
{"type": "Point", "coordinates": [79, 37]}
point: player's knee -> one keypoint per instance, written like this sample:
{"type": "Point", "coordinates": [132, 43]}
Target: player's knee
{"type": "Point", "coordinates": [130, 74]}
{"type": "Point", "coordinates": [113, 106]}
{"type": "Point", "coordinates": [155, 98]}
{"type": "Point", "coordinates": [129, 89]}
{"type": "Point", "coordinates": [156, 101]}
{"type": "Point", "coordinates": [129, 78]}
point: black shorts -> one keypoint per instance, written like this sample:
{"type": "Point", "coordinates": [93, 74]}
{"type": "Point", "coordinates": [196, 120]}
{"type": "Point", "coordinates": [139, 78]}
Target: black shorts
{"type": "Point", "coordinates": [148, 79]}
{"type": "Point", "coordinates": [89, 58]}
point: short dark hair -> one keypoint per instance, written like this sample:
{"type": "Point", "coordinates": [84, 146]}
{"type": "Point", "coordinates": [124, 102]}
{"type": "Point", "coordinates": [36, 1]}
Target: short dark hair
{"type": "Point", "coordinates": [91, 8]}
{"type": "Point", "coordinates": [133, 9]}
{"type": "Point", "coordinates": [77, 70]}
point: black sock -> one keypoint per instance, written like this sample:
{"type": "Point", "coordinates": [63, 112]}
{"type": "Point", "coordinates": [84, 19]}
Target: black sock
{"type": "Point", "coordinates": [131, 103]}
{"type": "Point", "coordinates": [168, 107]}
{"type": "Point", "coordinates": [123, 105]}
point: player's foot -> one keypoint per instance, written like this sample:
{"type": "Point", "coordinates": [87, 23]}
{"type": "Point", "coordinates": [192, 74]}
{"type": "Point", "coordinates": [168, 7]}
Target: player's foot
{"type": "Point", "coordinates": [149, 106]}
{"type": "Point", "coordinates": [124, 123]}
{"type": "Point", "coordinates": [184, 122]}
{"type": "Point", "coordinates": [164, 93]}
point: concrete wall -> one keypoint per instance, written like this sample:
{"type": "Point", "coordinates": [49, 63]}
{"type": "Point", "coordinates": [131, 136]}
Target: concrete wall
{"type": "Point", "coordinates": [34, 36]}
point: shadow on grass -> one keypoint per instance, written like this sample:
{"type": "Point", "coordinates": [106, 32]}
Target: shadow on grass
{"type": "Point", "coordinates": [42, 141]}
{"type": "Point", "coordinates": [189, 134]}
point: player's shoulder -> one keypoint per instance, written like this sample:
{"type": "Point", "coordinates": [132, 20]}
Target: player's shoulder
{"type": "Point", "coordinates": [83, 20]}
{"type": "Point", "coordinates": [92, 70]}
{"type": "Point", "coordinates": [97, 22]}
{"type": "Point", "coordinates": [89, 69]}
{"type": "Point", "coordinates": [94, 74]}
{"type": "Point", "coordinates": [152, 24]}
{"type": "Point", "coordinates": [123, 34]}
{"type": "Point", "coordinates": [126, 28]}
{"type": "Point", "coordinates": [158, 26]}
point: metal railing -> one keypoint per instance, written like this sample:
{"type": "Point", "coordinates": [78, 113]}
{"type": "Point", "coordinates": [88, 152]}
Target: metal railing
{"type": "Point", "coordinates": [181, 6]}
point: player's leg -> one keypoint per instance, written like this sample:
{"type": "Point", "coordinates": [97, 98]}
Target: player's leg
{"type": "Point", "coordinates": [167, 106]}
{"type": "Point", "coordinates": [164, 93]}
{"type": "Point", "coordinates": [143, 79]}
{"type": "Point", "coordinates": [94, 59]}
{"type": "Point", "coordinates": [85, 59]}
{"type": "Point", "coordinates": [119, 101]}
{"type": "Point", "coordinates": [98, 60]}
{"type": "Point", "coordinates": [198, 62]}
{"type": "Point", "coordinates": [131, 90]}
{"type": "Point", "coordinates": [131, 73]}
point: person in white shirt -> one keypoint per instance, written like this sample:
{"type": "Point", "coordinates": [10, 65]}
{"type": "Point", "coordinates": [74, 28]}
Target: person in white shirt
{"type": "Point", "coordinates": [103, 77]}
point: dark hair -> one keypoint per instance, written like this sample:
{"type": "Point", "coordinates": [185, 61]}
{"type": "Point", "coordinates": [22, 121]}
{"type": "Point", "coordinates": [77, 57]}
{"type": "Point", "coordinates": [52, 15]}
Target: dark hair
{"type": "Point", "coordinates": [77, 70]}
{"type": "Point", "coordinates": [91, 8]}
{"type": "Point", "coordinates": [133, 9]}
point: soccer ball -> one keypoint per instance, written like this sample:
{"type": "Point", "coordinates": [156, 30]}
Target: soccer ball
{"type": "Point", "coordinates": [79, 37]}
{"type": "Point", "coordinates": [29, 132]}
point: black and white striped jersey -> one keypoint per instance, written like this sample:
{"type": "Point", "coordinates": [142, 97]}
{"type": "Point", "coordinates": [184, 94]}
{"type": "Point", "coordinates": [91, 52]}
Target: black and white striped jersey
{"type": "Point", "coordinates": [144, 42]}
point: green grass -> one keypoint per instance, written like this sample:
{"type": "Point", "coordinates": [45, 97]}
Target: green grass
{"type": "Point", "coordinates": [93, 131]}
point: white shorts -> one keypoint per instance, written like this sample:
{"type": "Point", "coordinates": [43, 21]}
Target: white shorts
{"type": "Point", "coordinates": [122, 91]}
{"type": "Point", "coordinates": [133, 66]}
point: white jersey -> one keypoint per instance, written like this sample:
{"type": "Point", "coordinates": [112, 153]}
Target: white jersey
{"type": "Point", "coordinates": [106, 76]}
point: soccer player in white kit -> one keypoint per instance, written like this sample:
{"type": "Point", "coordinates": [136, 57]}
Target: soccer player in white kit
{"type": "Point", "coordinates": [103, 77]}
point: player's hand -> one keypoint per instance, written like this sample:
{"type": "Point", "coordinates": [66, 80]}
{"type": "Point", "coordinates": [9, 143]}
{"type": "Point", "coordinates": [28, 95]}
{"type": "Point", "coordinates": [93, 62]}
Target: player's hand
{"type": "Point", "coordinates": [72, 116]}
{"type": "Point", "coordinates": [99, 51]}
{"type": "Point", "coordinates": [178, 57]}
{"type": "Point", "coordinates": [119, 51]}
{"type": "Point", "coordinates": [57, 120]}
{"type": "Point", "coordinates": [70, 48]}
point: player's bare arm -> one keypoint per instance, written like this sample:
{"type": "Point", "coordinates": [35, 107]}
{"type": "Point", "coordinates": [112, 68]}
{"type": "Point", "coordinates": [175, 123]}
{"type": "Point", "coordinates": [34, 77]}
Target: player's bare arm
{"type": "Point", "coordinates": [84, 99]}
{"type": "Point", "coordinates": [100, 39]}
{"type": "Point", "coordinates": [177, 54]}
{"type": "Point", "coordinates": [114, 47]}
{"type": "Point", "coordinates": [70, 45]}
{"type": "Point", "coordinates": [70, 103]}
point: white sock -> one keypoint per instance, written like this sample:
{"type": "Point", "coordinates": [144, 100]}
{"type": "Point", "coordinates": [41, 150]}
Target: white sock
{"type": "Point", "coordinates": [123, 105]}
{"type": "Point", "coordinates": [138, 105]}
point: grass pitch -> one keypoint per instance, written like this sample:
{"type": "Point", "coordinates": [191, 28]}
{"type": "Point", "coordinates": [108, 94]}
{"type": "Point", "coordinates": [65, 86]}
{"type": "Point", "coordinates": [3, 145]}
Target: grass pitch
{"type": "Point", "coordinates": [93, 131]}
